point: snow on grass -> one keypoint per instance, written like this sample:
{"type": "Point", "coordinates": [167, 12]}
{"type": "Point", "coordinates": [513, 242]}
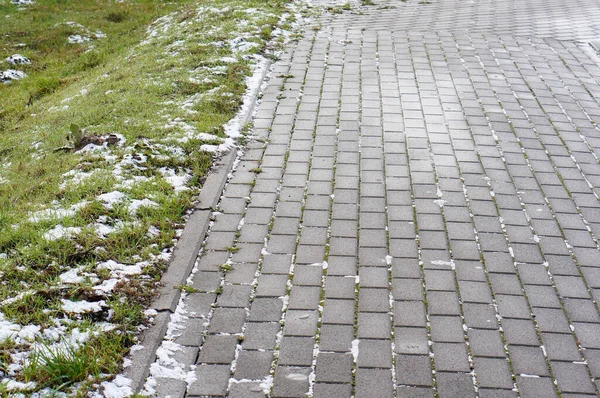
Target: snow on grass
{"type": "Point", "coordinates": [82, 307]}
{"type": "Point", "coordinates": [104, 236]}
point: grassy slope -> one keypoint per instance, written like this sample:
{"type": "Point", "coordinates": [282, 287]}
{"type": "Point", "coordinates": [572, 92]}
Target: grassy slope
{"type": "Point", "coordinates": [160, 89]}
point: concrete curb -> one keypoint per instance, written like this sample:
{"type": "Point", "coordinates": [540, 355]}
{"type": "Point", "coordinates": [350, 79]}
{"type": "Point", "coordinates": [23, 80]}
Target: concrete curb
{"type": "Point", "coordinates": [184, 256]}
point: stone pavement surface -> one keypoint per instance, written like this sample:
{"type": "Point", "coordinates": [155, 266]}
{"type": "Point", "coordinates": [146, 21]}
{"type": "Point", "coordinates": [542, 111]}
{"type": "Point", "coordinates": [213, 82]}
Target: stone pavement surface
{"type": "Point", "coordinates": [423, 217]}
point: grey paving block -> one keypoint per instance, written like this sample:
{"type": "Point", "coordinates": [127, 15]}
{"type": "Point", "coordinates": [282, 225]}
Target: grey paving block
{"type": "Point", "coordinates": [588, 334]}
{"type": "Point", "coordinates": [528, 360]}
{"type": "Point", "coordinates": [271, 285]}
{"type": "Point", "coordinates": [414, 370]}
{"type": "Point", "coordinates": [227, 320]}
{"type": "Point", "coordinates": [300, 323]}
{"type": "Point", "coordinates": [253, 365]}
{"type": "Point", "coordinates": [375, 382]}
{"type": "Point", "coordinates": [340, 287]}
{"type": "Point", "coordinates": [520, 331]}
{"type": "Point", "coordinates": [246, 390]}
{"type": "Point", "coordinates": [266, 310]}
{"type": "Point", "coordinates": [561, 347]}
{"type": "Point", "coordinates": [455, 385]}
{"type": "Point", "coordinates": [572, 377]}
{"type": "Point", "coordinates": [218, 349]}
{"type": "Point", "coordinates": [334, 367]}
{"type": "Point", "coordinates": [291, 381]}
{"type": "Point", "coordinates": [532, 386]}
{"type": "Point", "coordinates": [260, 335]}
{"type": "Point", "coordinates": [296, 351]}
{"type": "Point", "coordinates": [374, 325]}
{"type": "Point", "coordinates": [210, 380]}
{"type": "Point", "coordinates": [331, 390]}
{"type": "Point", "coordinates": [446, 329]}
{"type": "Point", "coordinates": [338, 311]}
{"type": "Point", "coordinates": [234, 296]}
{"type": "Point", "coordinates": [409, 313]}
{"type": "Point", "coordinates": [493, 373]}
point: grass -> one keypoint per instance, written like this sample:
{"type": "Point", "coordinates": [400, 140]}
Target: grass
{"type": "Point", "coordinates": [151, 85]}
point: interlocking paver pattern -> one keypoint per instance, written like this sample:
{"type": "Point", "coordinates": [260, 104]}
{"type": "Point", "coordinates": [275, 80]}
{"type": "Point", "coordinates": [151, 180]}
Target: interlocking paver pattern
{"type": "Point", "coordinates": [427, 217]}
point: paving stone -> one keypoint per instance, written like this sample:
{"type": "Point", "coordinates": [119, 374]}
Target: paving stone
{"type": "Point", "coordinates": [253, 365]}
{"type": "Point", "coordinates": [513, 307]}
{"type": "Point", "coordinates": [520, 331]}
{"type": "Point", "coordinates": [374, 354]}
{"type": "Point", "coordinates": [561, 347]}
{"type": "Point", "coordinates": [246, 390]}
{"type": "Point", "coordinates": [266, 310]}
{"type": "Point", "coordinates": [336, 337]}
{"type": "Point", "coordinates": [588, 334]}
{"type": "Point", "coordinates": [297, 351]}
{"type": "Point", "coordinates": [414, 392]}
{"type": "Point", "coordinates": [210, 380]}
{"type": "Point", "coordinates": [528, 360]}
{"type": "Point", "coordinates": [290, 381]}
{"type": "Point", "coordinates": [272, 285]}
{"type": "Point", "coordinates": [218, 349]}
{"type": "Point", "coordinates": [340, 287]}
{"type": "Point", "coordinates": [455, 385]}
{"type": "Point", "coordinates": [374, 325]}
{"type": "Point", "coordinates": [532, 386]}
{"type": "Point", "coordinates": [338, 311]}
{"type": "Point", "coordinates": [374, 382]}
{"type": "Point", "coordinates": [443, 303]}
{"type": "Point", "coordinates": [451, 357]}
{"type": "Point", "coordinates": [487, 343]}
{"type": "Point", "coordinates": [199, 305]}
{"type": "Point", "coordinates": [552, 320]}
{"type": "Point", "coordinates": [307, 275]}
{"type": "Point", "coordinates": [407, 289]}
{"type": "Point", "coordinates": [260, 335]}
{"type": "Point", "coordinates": [373, 277]}
{"type": "Point", "coordinates": [572, 377]}
{"type": "Point", "coordinates": [300, 323]}
{"type": "Point", "coordinates": [334, 367]}
{"type": "Point", "coordinates": [446, 329]}
{"type": "Point", "coordinates": [493, 373]}
{"type": "Point", "coordinates": [234, 296]}
{"type": "Point", "coordinates": [227, 320]}
{"type": "Point", "coordinates": [304, 297]}
{"type": "Point", "coordinates": [409, 313]}
{"type": "Point", "coordinates": [413, 370]}
{"type": "Point", "coordinates": [411, 340]}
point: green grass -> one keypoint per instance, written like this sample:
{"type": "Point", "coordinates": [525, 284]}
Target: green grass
{"type": "Point", "coordinates": [164, 79]}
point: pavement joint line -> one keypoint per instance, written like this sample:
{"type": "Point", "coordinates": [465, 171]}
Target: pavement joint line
{"type": "Point", "coordinates": [184, 256]}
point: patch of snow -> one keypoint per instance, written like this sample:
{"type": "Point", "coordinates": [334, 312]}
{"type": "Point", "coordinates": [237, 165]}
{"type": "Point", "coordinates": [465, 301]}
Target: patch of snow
{"type": "Point", "coordinates": [78, 39]}
{"type": "Point", "coordinates": [106, 286]}
{"type": "Point", "coordinates": [354, 349]}
{"type": "Point", "coordinates": [56, 213]}
{"type": "Point", "coordinates": [13, 385]}
{"type": "Point", "coordinates": [71, 277]}
{"type": "Point", "coordinates": [9, 75]}
{"type": "Point", "coordinates": [136, 204]}
{"type": "Point", "coordinates": [118, 269]}
{"type": "Point", "coordinates": [446, 263]}
{"type": "Point", "coordinates": [83, 306]}
{"type": "Point", "coordinates": [60, 232]}
{"type": "Point", "coordinates": [111, 198]}
{"type": "Point", "coordinates": [18, 59]}
{"type": "Point", "coordinates": [120, 387]}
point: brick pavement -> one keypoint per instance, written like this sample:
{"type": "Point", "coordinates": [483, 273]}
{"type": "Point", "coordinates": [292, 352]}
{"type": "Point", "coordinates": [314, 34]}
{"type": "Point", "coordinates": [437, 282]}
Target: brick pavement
{"type": "Point", "coordinates": [426, 217]}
